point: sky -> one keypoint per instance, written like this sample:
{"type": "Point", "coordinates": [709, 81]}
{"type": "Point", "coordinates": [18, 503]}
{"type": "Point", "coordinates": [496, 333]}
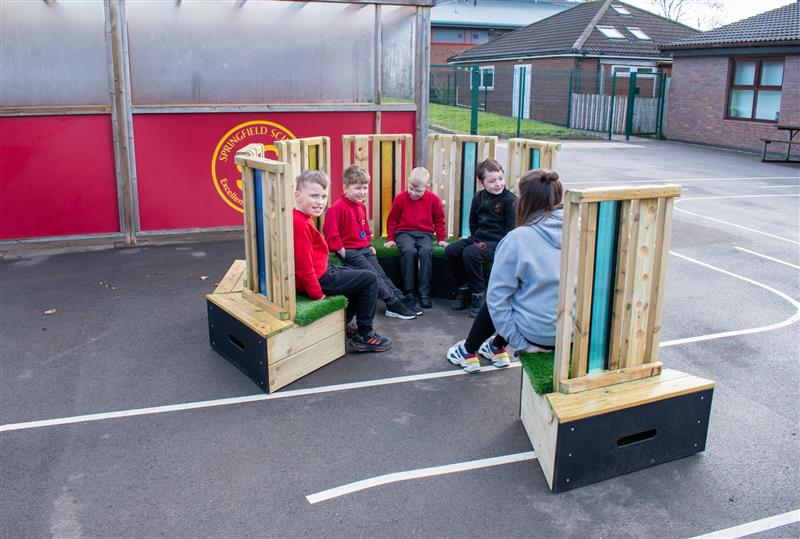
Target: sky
{"type": "Point", "coordinates": [733, 10]}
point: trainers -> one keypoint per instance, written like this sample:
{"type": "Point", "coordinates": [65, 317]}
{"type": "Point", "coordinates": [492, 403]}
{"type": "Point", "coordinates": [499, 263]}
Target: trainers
{"type": "Point", "coordinates": [408, 299]}
{"type": "Point", "coordinates": [534, 349]}
{"type": "Point", "coordinates": [498, 356]}
{"type": "Point", "coordinates": [398, 309]}
{"type": "Point", "coordinates": [462, 299]}
{"type": "Point", "coordinates": [351, 330]}
{"type": "Point", "coordinates": [371, 342]}
{"type": "Point", "coordinates": [475, 305]}
{"type": "Point", "coordinates": [425, 302]}
{"type": "Point", "coordinates": [458, 356]}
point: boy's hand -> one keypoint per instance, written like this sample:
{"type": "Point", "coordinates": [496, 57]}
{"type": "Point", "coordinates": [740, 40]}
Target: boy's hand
{"type": "Point", "coordinates": [443, 243]}
{"type": "Point", "coordinates": [341, 252]}
{"type": "Point", "coordinates": [372, 249]}
{"type": "Point", "coordinates": [389, 243]}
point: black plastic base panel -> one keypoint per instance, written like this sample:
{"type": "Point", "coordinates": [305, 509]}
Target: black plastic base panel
{"type": "Point", "coordinates": [443, 285]}
{"type": "Point", "coordinates": [239, 344]}
{"type": "Point", "coordinates": [608, 445]}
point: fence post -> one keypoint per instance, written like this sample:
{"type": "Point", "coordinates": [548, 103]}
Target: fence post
{"type": "Point", "coordinates": [521, 103]}
{"type": "Point", "coordinates": [661, 94]}
{"type": "Point", "coordinates": [630, 108]}
{"type": "Point", "coordinates": [474, 94]}
{"type": "Point", "coordinates": [611, 108]}
{"type": "Point", "coordinates": [569, 100]}
{"type": "Point", "coordinates": [455, 86]}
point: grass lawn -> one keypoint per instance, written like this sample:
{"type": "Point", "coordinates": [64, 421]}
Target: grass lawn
{"type": "Point", "coordinates": [457, 119]}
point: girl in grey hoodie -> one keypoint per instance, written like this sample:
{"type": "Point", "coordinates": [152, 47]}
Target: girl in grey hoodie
{"type": "Point", "coordinates": [523, 287]}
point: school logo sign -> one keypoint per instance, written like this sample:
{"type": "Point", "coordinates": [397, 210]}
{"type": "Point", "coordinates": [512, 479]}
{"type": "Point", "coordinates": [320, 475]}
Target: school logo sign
{"type": "Point", "coordinates": [227, 176]}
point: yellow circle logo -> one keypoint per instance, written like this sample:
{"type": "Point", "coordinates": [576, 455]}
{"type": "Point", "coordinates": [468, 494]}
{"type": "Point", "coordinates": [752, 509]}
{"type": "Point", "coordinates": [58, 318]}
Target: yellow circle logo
{"type": "Point", "coordinates": [226, 175]}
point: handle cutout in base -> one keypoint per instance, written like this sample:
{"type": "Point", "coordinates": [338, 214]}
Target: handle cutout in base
{"type": "Point", "coordinates": [639, 437]}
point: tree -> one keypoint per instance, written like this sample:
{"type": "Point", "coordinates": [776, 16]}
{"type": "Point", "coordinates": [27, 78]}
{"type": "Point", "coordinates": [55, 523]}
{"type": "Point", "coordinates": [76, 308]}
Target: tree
{"type": "Point", "coordinates": [702, 14]}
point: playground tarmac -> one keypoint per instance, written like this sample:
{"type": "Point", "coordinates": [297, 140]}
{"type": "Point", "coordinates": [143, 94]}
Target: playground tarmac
{"type": "Point", "coordinates": [119, 420]}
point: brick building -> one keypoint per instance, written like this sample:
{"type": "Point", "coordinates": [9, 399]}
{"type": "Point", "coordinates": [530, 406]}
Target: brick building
{"type": "Point", "coordinates": [458, 25]}
{"type": "Point", "coordinates": [578, 49]}
{"type": "Point", "coordinates": [732, 85]}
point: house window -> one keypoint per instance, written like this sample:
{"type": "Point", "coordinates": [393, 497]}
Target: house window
{"type": "Point", "coordinates": [754, 91]}
{"type": "Point", "coordinates": [641, 72]}
{"type": "Point", "coordinates": [486, 74]}
{"type": "Point", "coordinates": [610, 31]}
{"type": "Point", "coordinates": [620, 9]}
{"type": "Point", "coordinates": [638, 32]}
{"type": "Point", "coordinates": [448, 35]}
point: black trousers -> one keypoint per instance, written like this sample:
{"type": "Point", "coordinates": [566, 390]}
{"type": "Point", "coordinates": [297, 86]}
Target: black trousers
{"type": "Point", "coordinates": [416, 246]}
{"type": "Point", "coordinates": [363, 259]}
{"type": "Point", "coordinates": [466, 258]}
{"type": "Point", "coordinates": [361, 289]}
{"type": "Point", "coordinates": [482, 328]}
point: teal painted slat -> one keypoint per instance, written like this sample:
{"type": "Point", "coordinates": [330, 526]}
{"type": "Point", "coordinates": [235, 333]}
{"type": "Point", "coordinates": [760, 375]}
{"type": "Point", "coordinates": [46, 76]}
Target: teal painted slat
{"type": "Point", "coordinates": [467, 183]}
{"type": "Point", "coordinates": [604, 262]}
{"type": "Point", "coordinates": [534, 158]}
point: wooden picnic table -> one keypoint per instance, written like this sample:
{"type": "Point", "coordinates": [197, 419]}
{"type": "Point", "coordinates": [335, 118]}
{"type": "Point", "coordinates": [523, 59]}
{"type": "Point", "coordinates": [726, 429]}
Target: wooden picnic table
{"type": "Point", "coordinates": [793, 130]}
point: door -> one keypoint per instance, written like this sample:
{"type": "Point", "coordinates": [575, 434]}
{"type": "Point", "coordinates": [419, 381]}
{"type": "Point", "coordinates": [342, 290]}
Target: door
{"type": "Point", "coordinates": [522, 75]}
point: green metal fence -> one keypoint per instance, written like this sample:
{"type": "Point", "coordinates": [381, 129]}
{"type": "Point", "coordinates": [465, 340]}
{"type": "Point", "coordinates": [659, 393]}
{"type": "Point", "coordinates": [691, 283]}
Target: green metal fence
{"type": "Point", "coordinates": [508, 99]}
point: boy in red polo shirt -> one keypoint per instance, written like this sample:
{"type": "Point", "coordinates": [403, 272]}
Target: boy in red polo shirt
{"type": "Point", "coordinates": [348, 234]}
{"type": "Point", "coordinates": [315, 278]}
{"type": "Point", "coordinates": [416, 214]}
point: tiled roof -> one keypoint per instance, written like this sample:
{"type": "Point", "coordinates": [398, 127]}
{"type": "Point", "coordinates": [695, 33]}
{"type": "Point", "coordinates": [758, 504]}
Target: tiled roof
{"type": "Point", "coordinates": [494, 13]}
{"type": "Point", "coordinates": [779, 25]}
{"type": "Point", "coordinates": [563, 33]}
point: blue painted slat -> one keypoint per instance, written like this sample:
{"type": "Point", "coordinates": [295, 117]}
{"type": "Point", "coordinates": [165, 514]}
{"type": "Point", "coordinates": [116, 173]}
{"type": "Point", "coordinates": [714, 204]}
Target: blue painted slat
{"type": "Point", "coordinates": [467, 183]}
{"type": "Point", "coordinates": [604, 262]}
{"type": "Point", "coordinates": [534, 158]}
{"type": "Point", "coordinates": [258, 179]}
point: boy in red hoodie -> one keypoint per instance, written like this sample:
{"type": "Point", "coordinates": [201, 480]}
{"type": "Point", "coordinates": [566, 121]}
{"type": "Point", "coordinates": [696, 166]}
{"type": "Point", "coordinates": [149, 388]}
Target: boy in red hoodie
{"type": "Point", "coordinates": [416, 214]}
{"type": "Point", "coordinates": [348, 234]}
{"type": "Point", "coordinates": [315, 278]}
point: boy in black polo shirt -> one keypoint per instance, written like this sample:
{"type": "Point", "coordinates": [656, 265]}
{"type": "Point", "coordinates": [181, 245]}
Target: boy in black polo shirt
{"type": "Point", "coordinates": [491, 217]}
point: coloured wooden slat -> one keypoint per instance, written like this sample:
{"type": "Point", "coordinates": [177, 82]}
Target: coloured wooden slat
{"type": "Point", "coordinates": [313, 158]}
{"type": "Point", "coordinates": [250, 249]}
{"type": "Point", "coordinates": [605, 251]}
{"type": "Point", "coordinates": [447, 176]}
{"type": "Point", "coordinates": [374, 207]}
{"type": "Point", "coordinates": [534, 160]}
{"type": "Point", "coordinates": [408, 142]}
{"type": "Point", "coordinates": [386, 183]}
{"type": "Point", "coordinates": [467, 181]}
{"type": "Point", "coordinates": [585, 273]}
{"type": "Point", "coordinates": [258, 194]}
{"type": "Point", "coordinates": [624, 268]}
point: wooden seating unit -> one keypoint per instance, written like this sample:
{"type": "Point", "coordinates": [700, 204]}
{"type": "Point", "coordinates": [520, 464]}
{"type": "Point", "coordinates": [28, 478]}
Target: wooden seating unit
{"type": "Point", "coordinates": [614, 409]}
{"type": "Point", "coordinates": [527, 154]}
{"type": "Point", "coordinates": [252, 312]}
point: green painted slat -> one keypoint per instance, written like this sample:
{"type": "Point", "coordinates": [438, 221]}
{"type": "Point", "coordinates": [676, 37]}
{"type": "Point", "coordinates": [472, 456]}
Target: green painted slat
{"type": "Point", "coordinates": [603, 291]}
{"type": "Point", "coordinates": [469, 156]}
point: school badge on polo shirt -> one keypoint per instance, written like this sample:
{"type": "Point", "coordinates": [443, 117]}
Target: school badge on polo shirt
{"type": "Point", "coordinates": [225, 174]}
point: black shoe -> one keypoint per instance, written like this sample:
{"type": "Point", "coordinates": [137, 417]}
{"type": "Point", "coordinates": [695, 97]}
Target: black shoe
{"type": "Point", "coordinates": [412, 305]}
{"type": "Point", "coordinates": [475, 305]}
{"type": "Point", "coordinates": [462, 300]}
{"type": "Point", "coordinates": [398, 309]}
{"type": "Point", "coordinates": [371, 342]}
{"type": "Point", "coordinates": [425, 302]}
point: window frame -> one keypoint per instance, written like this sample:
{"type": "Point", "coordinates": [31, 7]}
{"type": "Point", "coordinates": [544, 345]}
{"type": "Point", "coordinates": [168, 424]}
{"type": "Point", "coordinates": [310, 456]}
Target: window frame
{"type": "Point", "coordinates": [634, 29]}
{"type": "Point", "coordinates": [601, 27]}
{"type": "Point", "coordinates": [622, 10]}
{"type": "Point", "coordinates": [481, 87]}
{"type": "Point", "coordinates": [630, 68]}
{"type": "Point", "coordinates": [755, 87]}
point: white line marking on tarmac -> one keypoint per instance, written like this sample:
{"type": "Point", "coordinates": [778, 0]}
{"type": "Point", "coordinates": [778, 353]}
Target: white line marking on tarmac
{"type": "Point", "coordinates": [753, 230]}
{"type": "Point", "coordinates": [784, 185]}
{"type": "Point", "coordinates": [239, 400]}
{"type": "Point", "coordinates": [769, 523]}
{"type": "Point", "coordinates": [778, 260]}
{"type": "Point", "coordinates": [417, 474]}
{"type": "Point", "coordinates": [791, 320]}
{"type": "Point", "coordinates": [676, 180]}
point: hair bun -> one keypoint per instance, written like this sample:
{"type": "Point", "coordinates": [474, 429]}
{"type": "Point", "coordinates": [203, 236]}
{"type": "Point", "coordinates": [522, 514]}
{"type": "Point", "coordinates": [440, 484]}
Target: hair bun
{"type": "Point", "coordinates": [549, 176]}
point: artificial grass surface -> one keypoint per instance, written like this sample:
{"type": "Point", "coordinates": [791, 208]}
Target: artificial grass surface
{"type": "Point", "coordinates": [457, 119]}
{"type": "Point", "coordinates": [388, 252]}
{"type": "Point", "coordinates": [309, 310]}
{"type": "Point", "coordinates": [540, 371]}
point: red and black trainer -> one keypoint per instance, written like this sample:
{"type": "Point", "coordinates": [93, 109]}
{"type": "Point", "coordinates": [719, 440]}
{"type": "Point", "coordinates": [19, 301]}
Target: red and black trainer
{"type": "Point", "coordinates": [371, 342]}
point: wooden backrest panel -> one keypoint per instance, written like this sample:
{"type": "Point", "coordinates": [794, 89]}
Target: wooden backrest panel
{"type": "Point", "coordinates": [388, 159]}
{"type": "Point", "coordinates": [527, 154]}
{"type": "Point", "coordinates": [613, 269]}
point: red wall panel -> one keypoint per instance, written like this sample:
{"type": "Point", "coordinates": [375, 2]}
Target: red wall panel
{"type": "Point", "coordinates": [393, 123]}
{"type": "Point", "coordinates": [178, 157]}
{"type": "Point", "coordinates": [57, 176]}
